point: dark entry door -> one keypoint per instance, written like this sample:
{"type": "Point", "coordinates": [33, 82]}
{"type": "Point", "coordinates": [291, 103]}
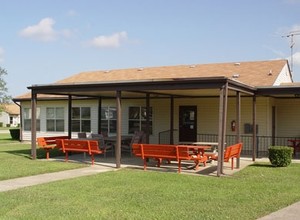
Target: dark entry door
{"type": "Point", "coordinates": [187, 123]}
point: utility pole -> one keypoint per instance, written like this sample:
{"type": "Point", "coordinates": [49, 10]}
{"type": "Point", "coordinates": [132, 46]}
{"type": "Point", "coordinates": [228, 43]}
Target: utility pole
{"type": "Point", "coordinates": [291, 35]}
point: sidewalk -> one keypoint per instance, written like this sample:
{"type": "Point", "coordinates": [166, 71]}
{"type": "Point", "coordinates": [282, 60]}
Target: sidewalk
{"type": "Point", "coordinates": [291, 212]}
{"type": "Point", "coordinates": [17, 183]}
{"type": "Point", "coordinates": [107, 164]}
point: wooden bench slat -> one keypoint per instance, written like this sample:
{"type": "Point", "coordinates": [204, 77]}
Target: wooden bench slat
{"type": "Point", "coordinates": [48, 143]}
{"type": "Point", "coordinates": [84, 146]}
{"type": "Point", "coordinates": [169, 152]}
{"type": "Point", "coordinates": [231, 152]}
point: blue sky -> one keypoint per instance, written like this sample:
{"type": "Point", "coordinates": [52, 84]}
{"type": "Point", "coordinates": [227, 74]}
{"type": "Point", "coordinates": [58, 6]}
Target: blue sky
{"type": "Point", "coordinates": [43, 41]}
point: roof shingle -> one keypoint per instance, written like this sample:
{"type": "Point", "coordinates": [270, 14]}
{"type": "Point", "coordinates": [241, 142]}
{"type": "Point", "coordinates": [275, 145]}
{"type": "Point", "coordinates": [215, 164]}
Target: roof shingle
{"type": "Point", "coordinates": [254, 73]}
{"type": "Point", "coordinates": [250, 73]}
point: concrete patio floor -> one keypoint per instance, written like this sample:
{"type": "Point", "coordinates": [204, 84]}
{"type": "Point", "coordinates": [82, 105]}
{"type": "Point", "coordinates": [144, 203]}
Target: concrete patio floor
{"type": "Point", "coordinates": [137, 163]}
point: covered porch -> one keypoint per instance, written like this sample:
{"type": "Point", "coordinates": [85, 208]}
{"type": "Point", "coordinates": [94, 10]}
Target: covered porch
{"type": "Point", "coordinates": [163, 89]}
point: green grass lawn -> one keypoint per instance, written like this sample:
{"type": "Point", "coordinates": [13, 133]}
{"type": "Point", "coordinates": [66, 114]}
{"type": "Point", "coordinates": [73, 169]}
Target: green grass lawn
{"type": "Point", "coordinates": [15, 160]}
{"type": "Point", "coordinates": [135, 194]}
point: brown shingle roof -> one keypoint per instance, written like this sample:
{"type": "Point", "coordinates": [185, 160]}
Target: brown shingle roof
{"type": "Point", "coordinates": [255, 73]}
{"type": "Point", "coordinates": [11, 109]}
{"type": "Point", "coordinates": [250, 73]}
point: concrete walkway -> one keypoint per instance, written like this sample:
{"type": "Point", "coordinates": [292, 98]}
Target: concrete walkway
{"type": "Point", "coordinates": [108, 164]}
{"type": "Point", "coordinates": [17, 183]}
{"type": "Point", "coordinates": [291, 212]}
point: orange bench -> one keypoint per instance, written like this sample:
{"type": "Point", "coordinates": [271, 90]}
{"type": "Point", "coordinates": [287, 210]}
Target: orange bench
{"type": "Point", "coordinates": [48, 143]}
{"type": "Point", "coordinates": [231, 152]}
{"type": "Point", "coordinates": [82, 146]}
{"type": "Point", "coordinates": [167, 152]}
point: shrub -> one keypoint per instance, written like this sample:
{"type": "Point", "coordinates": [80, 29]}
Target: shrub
{"type": "Point", "coordinates": [280, 156]}
{"type": "Point", "coordinates": [15, 134]}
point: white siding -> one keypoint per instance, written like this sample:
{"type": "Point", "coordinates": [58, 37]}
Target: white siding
{"type": "Point", "coordinates": [288, 117]}
{"type": "Point", "coordinates": [208, 114]}
{"type": "Point", "coordinates": [43, 105]}
{"type": "Point", "coordinates": [283, 77]}
{"type": "Point", "coordinates": [4, 118]}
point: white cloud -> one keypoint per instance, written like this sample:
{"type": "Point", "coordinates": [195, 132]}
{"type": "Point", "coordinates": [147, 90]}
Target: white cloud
{"type": "Point", "coordinates": [1, 55]}
{"type": "Point", "coordinates": [295, 28]}
{"type": "Point", "coordinates": [43, 31]}
{"type": "Point", "coordinates": [296, 59]}
{"type": "Point", "coordinates": [112, 41]}
{"type": "Point", "coordinates": [288, 31]}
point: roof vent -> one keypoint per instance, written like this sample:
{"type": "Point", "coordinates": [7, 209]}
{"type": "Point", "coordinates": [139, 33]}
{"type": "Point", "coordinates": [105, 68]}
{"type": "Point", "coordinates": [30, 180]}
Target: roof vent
{"type": "Point", "coordinates": [237, 64]}
{"type": "Point", "coordinates": [270, 73]}
{"type": "Point", "coordinates": [235, 76]}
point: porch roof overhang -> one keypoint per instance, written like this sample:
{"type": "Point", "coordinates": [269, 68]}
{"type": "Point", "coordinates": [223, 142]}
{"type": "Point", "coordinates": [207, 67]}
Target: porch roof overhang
{"type": "Point", "coordinates": [279, 91]}
{"type": "Point", "coordinates": [176, 87]}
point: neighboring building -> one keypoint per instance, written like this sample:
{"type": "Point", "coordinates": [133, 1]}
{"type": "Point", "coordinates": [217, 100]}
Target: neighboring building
{"type": "Point", "coordinates": [10, 115]}
{"type": "Point", "coordinates": [175, 114]}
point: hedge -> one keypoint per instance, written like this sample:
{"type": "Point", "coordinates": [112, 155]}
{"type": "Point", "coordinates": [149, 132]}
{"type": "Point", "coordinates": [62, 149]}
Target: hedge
{"type": "Point", "coordinates": [280, 156]}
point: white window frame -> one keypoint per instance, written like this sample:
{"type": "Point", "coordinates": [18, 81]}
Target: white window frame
{"type": "Point", "coordinates": [56, 119]}
{"type": "Point", "coordinates": [27, 119]}
{"type": "Point", "coordinates": [81, 119]}
{"type": "Point", "coordinates": [109, 116]}
{"type": "Point", "coordinates": [139, 120]}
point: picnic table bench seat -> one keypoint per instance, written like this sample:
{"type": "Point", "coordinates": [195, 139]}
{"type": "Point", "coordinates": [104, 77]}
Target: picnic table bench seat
{"type": "Point", "coordinates": [231, 152]}
{"type": "Point", "coordinates": [168, 152]}
{"type": "Point", "coordinates": [81, 146]}
{"type": "Point", "coordinates": [49, 143]}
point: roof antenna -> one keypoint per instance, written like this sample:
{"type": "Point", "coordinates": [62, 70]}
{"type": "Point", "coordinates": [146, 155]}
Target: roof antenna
{"type": "Point", "coordinates": [291, 35]}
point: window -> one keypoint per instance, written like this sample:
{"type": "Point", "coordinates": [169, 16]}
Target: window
{"type": "Point", "coordinates": [109, 120]}
{"type": "Point", "coordinates": [27, 119]}
{"type": "Point", "coordinates": [137, 119]}
{"type": "Point", "coordinates": [81, 119]}
{"type": "Point", "coordinates": [55, 119]}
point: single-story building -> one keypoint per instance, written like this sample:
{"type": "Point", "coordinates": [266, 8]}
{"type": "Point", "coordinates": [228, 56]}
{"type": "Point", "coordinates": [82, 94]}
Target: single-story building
{"type": "Point", "coordinates": [10, 115]}
{"type": "Point", "coordinates": [173, 104]}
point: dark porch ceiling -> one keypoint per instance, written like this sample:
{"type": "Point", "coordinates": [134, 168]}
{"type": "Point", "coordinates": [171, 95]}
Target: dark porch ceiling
{"type": "Point", "coordinates": [190, 87]}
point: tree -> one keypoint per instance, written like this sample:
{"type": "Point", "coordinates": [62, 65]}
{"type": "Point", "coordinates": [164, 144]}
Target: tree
{"type": "Point", "coordinates": [4, 97]}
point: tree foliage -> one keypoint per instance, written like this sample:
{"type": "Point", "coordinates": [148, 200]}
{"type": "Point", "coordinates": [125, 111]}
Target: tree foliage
{"type": "Point", "coordinates": [4, 97]}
